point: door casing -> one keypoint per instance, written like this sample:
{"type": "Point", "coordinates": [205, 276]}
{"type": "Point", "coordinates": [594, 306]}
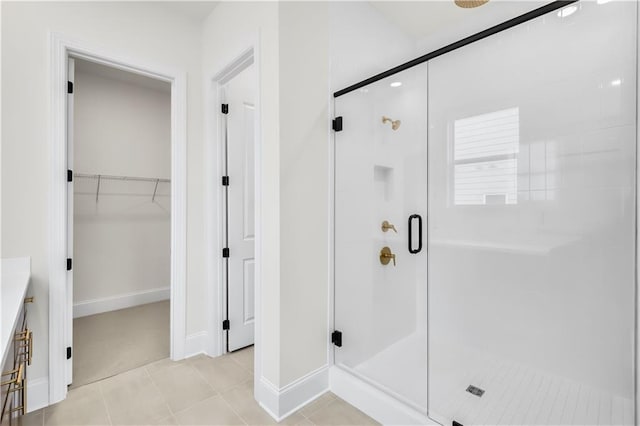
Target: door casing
{"type": "Point", "coordinates": [217, 345]}
{"type": "Point", "coordinates": [238, 335]}
{"type": "Point", "coordinates": [62, 48]}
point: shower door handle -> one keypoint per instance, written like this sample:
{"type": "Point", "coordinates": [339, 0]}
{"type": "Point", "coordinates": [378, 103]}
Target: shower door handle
{"type": "Point", "coordinates": [410, 227]}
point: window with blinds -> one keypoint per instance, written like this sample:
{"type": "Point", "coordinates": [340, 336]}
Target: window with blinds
{"type": "Point", "coordinates": [486, 158]}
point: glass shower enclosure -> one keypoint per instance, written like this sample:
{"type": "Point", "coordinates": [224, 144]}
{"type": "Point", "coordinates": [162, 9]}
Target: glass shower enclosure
{"type": "Point", "coordinates": [485, 225]}
{"type": "Point", "coordinates": [380, 202]}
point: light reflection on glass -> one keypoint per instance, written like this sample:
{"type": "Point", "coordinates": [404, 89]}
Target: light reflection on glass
{"type": "Point", "coordinates": [486, 158]}
{"type": "Point", "coordinates": [567, 11]}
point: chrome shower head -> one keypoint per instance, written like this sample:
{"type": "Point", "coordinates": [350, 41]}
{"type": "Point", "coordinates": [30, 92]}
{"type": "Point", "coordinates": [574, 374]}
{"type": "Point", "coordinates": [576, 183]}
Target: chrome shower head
{"type": "Point", "coordinates": [395, 124]}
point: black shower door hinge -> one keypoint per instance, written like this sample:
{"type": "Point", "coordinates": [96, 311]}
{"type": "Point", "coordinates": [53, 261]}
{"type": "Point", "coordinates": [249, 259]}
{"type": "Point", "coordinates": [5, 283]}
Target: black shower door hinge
{"type": "Point", "coordinates": [69, 263]}
{"type": "Point", "coordinates": [225, 252]}
{"type": "Point", "coordinates": [225, 180]}
{"type": "Point", "coordinates": [68, 352]}
{"type": "Point", "coordinates": [69, 175]}
{"type": "Point", "coordinates": [336, 125]}
{"type": "Point", "coordinates": [225, 108]}
{"type": "Point", "coordinates": [69, 87]}
{"type": "Point", "coordinates": [225, 324]}
{"type": "Point", "coordinates": [336, 338]}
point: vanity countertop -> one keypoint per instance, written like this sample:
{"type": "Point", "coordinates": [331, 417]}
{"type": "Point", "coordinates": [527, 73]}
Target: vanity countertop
{"type": "Point", "coordinates": [15, 274]}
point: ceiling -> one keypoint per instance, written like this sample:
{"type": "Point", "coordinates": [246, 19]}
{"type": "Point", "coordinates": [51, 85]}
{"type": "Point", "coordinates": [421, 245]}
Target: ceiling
{"type": "Point", "coordinates": [428, 22]}
{"type": "Point", "coordinates": [86, 67]}
{"type": "Point", "coordinates": [194, 10]}
{"type": "Point", "coordinates": [421, 18]}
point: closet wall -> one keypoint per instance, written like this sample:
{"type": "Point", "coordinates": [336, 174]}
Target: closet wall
{"type": "Point", "coordinates": [122, 126]}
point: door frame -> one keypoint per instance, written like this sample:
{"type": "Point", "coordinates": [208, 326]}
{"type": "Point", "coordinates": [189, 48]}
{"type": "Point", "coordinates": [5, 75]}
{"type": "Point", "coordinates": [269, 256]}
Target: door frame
{"type": "Point", "coordinates": [62, 48]}
{"type": "Point", "coordinates": [215, 199]}
{"type": "Point", "coordinates": [241, 63]}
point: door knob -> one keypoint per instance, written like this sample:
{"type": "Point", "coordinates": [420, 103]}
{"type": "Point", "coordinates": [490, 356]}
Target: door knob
{"type": "Point", "coordinates": [386, 226]}
{"type": "Point", "coordinates": [386, 256]}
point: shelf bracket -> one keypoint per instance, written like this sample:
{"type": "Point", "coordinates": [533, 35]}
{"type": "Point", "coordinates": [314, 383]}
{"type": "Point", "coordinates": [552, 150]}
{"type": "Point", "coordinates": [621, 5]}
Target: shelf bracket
{"type": "Point", "coordinates": [98, 188]}
{"type": "Point", "coordinates": [155, 190]}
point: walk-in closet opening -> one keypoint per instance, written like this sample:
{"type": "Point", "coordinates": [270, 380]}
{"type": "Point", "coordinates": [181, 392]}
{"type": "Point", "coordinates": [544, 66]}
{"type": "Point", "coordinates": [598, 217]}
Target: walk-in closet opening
{"type": "Point", "coordinates": [119, 156]}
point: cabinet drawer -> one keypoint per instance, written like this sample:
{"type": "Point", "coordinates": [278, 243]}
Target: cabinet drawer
{"type": "Point", "coordinates": [13, 389]}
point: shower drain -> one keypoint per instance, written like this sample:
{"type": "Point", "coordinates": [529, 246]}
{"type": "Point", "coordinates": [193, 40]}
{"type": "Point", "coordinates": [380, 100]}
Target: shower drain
{"type": "Point", "coordinates": [473, 390]}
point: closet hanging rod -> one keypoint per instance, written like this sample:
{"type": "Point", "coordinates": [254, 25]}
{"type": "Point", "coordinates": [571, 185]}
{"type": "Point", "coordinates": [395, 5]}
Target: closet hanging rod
{"type": "Point", "coordinates": [113, 177]}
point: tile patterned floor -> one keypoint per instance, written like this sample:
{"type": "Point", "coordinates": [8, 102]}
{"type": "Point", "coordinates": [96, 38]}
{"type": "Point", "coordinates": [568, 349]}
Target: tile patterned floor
{"type": "Point", "coordinates": [196, 391]}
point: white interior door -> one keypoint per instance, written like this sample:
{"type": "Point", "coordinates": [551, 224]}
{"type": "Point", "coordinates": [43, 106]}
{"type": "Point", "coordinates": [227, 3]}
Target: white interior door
{"type": "Point", "coordinates": [240, 226]}
{"type": "Point", "coordinates": [68, 332]}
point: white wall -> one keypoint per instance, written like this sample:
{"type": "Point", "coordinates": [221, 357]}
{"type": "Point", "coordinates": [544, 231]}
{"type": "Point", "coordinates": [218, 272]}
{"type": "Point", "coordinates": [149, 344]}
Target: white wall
{"type": "Point", "coordinates": [292, 39]}
{"type": "Point", "coordinates": [148, 33]}
{"type": "Point", "coordinates": [144, 32]}
{"type": "Point", "coordinates": [0, 138]}
{"type": "Point", "coordinates": [294, 45]}
{"type": "Point", "coordinates": [229, 31]}
{"type": "Point", "coordinates": [304, 188]}
{"type": "Point", "coordinates": [122, 241]}
{"type": "Point", "coordinates": [122, 122]}
{"type": "Point", "coordinates": [363, 42]}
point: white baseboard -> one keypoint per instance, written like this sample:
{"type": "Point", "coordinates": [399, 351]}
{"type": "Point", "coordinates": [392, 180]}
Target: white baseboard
{"type": "Point", "coordinates": [107, 304]}
{"type": "Point", "coordinates": [195, 344]}
{"type": "Point", "coordinates": [268, 396]}
{"type": "Point", "coordinates": [37, 394]}
{"type": "Point", "coordinates": [372, 401]}
{"type": "Point", "coordinates": [280, 403]}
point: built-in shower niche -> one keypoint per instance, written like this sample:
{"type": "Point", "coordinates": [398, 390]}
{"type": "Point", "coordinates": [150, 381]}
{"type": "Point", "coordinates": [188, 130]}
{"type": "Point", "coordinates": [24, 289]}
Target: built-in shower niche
{"type": "Point", "coordinates": [383, 183]}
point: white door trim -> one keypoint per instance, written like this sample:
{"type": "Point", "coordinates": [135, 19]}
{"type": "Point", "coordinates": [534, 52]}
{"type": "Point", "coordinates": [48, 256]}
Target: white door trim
{"type": "Point", "coordinates": [61, 48]}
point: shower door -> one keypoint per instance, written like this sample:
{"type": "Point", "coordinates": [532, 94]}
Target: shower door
{"type": "Point", "coordinates": [532, 183]}
{"type": "Point", "coordinates": [380, 235]}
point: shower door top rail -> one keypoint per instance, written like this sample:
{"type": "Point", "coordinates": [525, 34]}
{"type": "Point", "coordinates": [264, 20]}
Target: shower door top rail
{"type": "Point", "coordinates": [555, 5]}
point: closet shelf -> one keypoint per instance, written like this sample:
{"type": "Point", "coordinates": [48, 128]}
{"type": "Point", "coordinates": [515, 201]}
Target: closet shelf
{"type": "Point", "coordinates": [99, 178]}
{"type": "Point", "coordinates": [112, 177]}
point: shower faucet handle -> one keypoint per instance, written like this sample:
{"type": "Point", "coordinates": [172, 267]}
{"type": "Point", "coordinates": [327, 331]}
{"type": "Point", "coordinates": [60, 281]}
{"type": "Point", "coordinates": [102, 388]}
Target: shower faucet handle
{"type": "Point", "coordinates": [386, 256]}
{"type": "Point", "coordinates": [386, 226]}
{"type": "Point", "coordinates": [395, 124]}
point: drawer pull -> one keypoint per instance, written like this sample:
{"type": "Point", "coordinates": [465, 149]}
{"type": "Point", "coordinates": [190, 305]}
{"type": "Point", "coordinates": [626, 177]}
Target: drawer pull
{"type": "Point", "coordinates": [19, 372]}
{"type": "Point", "coordinates": [15, 380]}
{"type": "Point", "coordinates": [25, 347]}
{"type": "Point", "coordinates": [15, 384]}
